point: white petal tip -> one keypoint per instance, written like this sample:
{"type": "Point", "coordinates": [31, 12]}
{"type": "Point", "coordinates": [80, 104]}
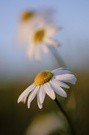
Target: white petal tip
{"type": "Point", "coordinates": [74, 80]}
{"type": "Point", "coordinates": [67, 87]}
{"type": "Point", "coordinates": [28, 107]}
{"type": "Point", "coordinates": [64, 95]}
{"type": "Point", "coordinates": [40, 107]}
{"type": "Point", "coordinates": [18, 101]}
{"type": "Point", "coordinates": [54, 97]}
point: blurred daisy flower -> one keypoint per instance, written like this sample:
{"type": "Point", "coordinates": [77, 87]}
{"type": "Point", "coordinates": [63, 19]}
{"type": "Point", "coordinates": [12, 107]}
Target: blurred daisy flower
{"type": "Point", "coordinates": [47, 123]}
{"type": "Point", "coordinates": [36, 32]}
{"type": "Point", "coordinates": [47, 82]}
{"type": "Point", "coordinates": [29, 19]}
{"type": "Point", "coordinates": [39, 38]}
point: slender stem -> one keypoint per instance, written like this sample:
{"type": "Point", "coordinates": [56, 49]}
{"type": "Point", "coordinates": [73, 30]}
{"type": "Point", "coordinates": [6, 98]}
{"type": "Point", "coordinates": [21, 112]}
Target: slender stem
{"type": "Point", "coordinates": [57, 57]}
{"type": "Point", "coordinates": [67, 117]}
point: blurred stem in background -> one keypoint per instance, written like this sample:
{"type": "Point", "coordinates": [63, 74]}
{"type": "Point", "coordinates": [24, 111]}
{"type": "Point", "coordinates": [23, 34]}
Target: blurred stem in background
{"type": "Point", "coordinates": [57, 57]}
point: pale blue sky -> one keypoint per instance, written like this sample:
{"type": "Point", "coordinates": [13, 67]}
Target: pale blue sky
{"type": "Point", "coordinates": [73, 16]}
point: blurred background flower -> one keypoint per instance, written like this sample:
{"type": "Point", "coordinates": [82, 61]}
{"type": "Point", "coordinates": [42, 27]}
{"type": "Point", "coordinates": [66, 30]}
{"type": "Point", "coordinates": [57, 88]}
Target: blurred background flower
{"type": "Point", "coordinates": [30, 19]}
{"type": "Point", "coordinates": [47, 124]}
{"type": "Point", "coordinates": [39, 38]}
{"type": "Point", "coordinates": [36, 32]}
{"type": "Point", "coordinates": [17, 72]}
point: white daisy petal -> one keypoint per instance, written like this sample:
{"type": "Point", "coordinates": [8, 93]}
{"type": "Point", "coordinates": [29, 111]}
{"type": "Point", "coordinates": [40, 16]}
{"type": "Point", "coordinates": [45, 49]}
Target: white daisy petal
{"type": "Point", "coordinates": [23, 96]}
{"type": "Point", "coordinates": [61, 84]}
{"type": "Point", "coordinates": [49, 91]}
{"type": "Point", "coordinates": [38, 100]}
{"type": "Point", "coordinates": [51, 42]}
{"type": "Point", "coordinates": [39, 104]}
{"type": "Point", "coordinates": [60, 71]}
{"type": "Point", "coordinates": [44, 48]}
{"type": "Point", "coordinates": [51, 31]}
{"type": "Point", "coordinates": [24, 99]}
{"type": "Point", "coordinates": [58, 89]}
{"type": "Point", "coordinates": [66, 78]}
{"type": "Point", "coordinates": [42, 94]}
{"type": "Point", "coordinates": [32, 96]}
{"type": "Point", "coordinates": [72, 81]}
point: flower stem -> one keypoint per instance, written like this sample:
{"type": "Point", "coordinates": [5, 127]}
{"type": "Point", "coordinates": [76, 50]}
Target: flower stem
{"type": "Point", "coordinates": [67, 117]}
{"type": "Point", "coordinates": [57, 57]}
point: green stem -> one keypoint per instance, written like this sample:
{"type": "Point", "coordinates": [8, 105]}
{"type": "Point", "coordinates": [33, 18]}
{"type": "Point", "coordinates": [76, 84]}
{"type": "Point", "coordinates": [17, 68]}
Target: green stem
{"type": "Point", "coordinates": [57, 56]}
{"type": "Point", "coordinates": [66, 116]}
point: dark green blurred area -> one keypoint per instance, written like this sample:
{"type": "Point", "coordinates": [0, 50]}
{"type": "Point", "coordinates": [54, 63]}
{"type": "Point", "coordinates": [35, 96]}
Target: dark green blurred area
{"type": "Point", "coordinates": [15, 118]}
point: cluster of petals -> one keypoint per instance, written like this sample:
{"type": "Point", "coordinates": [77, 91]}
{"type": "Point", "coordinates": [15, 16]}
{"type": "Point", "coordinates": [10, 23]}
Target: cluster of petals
{"type": "Point", "coordinates": [60, 77]}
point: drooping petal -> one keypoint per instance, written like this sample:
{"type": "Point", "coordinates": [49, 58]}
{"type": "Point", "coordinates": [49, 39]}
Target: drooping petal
{"type": "Point", "coordinates": [60, 71]}
{"type": "Point", "coordinates": [66, 78]}
{"type": "Point", "coordinates": [23, 96]}
{"type": "Point", "coordinates": [51, 42]}
{"type": "Point", "coordinates": [39, 104]}
{"type": "Point", "coordinates": [60, 83]}
{"type": "Point", "coordinates": [58, 89]}
{"type": "Point", "coordinates": [49, 91]}
{"type": "Point", "coordinates": [51, 31]}
{"type": "Point", "coordinates": [42, 94]}
{"type": "Point", "coordinates": [38, 100]}
{"type": "Point", "coordinates": [32, 96]}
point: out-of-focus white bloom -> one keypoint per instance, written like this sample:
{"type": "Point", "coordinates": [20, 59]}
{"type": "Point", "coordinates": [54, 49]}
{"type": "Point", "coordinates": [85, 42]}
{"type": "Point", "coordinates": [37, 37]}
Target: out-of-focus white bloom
{"type": "Point", "coordinates": [39, 38]}
{"type": "Point", "coordinates": [36, 31]}
{"type": "Point", "coordinates": [47, 82]}
{"type": "Point", "coordinates": [29, 19]}
{"type": "Point", "coordinates": [45, 124]}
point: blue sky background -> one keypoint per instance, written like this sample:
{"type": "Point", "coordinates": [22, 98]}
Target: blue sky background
{"type": "Point", "coordinates": [73, 16]}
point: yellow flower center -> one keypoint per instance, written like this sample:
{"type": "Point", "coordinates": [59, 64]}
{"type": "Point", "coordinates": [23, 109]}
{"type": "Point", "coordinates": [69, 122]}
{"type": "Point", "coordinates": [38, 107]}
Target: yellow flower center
{"type": "Point", "coordinates": [38, 36]}
{"type": "Point", "coordinates": [43, 77]}
{"type": "Point", "coordinates": [26, 16]}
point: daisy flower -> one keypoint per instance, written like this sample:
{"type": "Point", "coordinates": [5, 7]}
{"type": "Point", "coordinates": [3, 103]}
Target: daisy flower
{"type": "Point", "coordinates": [39, 38]}
{"type": "Point", "coordinates": [47, 82]}
{"type": "Point", "coordinates": [36, 31]}
{"type": "Point", "coordinates": [29, 19]}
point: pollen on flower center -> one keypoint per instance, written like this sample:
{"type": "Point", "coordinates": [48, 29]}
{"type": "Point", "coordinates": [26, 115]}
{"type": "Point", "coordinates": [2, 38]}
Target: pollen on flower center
{"type": "Point", "coordinates": [38, 36]}
{"type": "Point", "coordinates": [26, 16]}
{"type": "Point", "coordinates": [43, 77]}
